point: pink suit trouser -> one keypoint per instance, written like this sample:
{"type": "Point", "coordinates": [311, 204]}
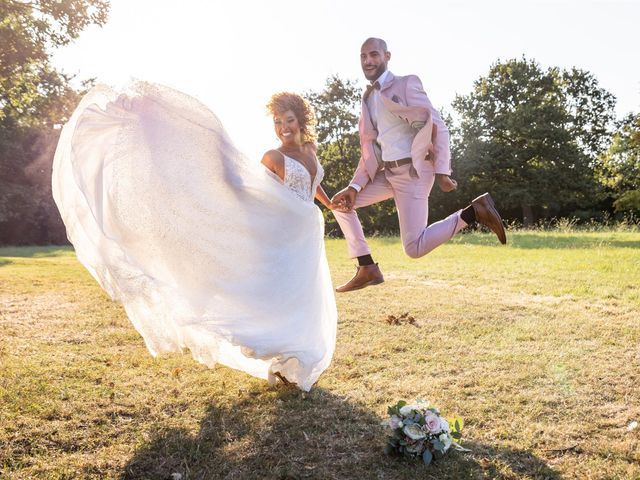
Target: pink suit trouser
{"type": "Point", "coordinates": [411, 196]}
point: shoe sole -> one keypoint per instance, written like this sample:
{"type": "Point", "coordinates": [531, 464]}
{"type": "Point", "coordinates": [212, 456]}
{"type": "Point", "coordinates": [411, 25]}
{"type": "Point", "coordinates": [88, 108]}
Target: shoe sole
{"type": "Point", "coordinates": [495, 210]}
{"type": "Point", "coordinates": [364, 285]}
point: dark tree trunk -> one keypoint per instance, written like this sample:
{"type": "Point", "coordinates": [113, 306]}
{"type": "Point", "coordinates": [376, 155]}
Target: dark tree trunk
{"type": "Point", "coordinates": [527, 216]}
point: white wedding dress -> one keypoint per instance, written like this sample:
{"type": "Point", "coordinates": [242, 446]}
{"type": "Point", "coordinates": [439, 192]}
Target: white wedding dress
{"type": "Point", "coordinates": [206, 249]}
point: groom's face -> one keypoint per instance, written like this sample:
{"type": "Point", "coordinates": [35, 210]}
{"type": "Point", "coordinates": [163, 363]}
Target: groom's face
{"type": "Point", "coordinates": [373, 59]}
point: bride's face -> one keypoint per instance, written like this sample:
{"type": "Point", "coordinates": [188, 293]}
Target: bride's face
{"type": "Point", "coordinates": [287, 128]}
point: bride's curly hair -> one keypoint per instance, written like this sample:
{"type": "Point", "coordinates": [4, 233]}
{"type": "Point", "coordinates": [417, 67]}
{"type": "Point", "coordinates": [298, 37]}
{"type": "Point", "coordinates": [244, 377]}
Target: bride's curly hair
{"type": "Point", "coordinates": [283, 101]}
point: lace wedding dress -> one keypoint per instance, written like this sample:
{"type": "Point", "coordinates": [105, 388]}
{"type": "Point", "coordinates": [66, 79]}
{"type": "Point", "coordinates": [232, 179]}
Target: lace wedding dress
{"type": "Point", "coordinates": [206, 249]}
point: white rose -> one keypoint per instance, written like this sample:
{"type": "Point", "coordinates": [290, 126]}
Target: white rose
{"type": "Point", "coordinates": [408, 409]}
{"type": "Point", "coordinates": [446, 440]}
{"type": "Point", "coordinates": [444, 424]}
{"type": "Point", "coordinates": [414, 432]}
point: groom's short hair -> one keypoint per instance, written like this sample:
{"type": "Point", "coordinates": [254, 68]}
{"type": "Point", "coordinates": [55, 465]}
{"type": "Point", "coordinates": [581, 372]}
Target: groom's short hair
{"type": "Point", "coordinates": [381, 43]}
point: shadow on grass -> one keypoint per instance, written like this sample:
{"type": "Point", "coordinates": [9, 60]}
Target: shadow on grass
{"type": "Point", "coordinates": [317, 435]}
{"type": "Point", "coordinates": [543, 240]}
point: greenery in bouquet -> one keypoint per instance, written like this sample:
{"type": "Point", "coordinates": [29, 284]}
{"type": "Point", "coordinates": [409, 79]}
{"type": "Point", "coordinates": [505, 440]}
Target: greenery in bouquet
{"type": "Point", "coordinates": [418, 431]}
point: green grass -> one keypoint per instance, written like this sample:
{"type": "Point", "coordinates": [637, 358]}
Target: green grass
{"type": "Point", "coordinates": [535, 345]}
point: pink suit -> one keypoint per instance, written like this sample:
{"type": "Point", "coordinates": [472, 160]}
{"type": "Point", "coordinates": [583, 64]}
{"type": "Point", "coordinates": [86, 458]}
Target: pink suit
{"type": "Point", "coordinates": [410, 184]}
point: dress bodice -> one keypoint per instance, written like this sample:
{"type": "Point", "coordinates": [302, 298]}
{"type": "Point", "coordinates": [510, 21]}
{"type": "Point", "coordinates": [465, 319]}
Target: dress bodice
{"type": "Point", "coordinates": [298, 178]}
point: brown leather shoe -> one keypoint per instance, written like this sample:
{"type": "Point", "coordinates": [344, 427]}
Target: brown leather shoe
{"type": "Point", "coordinates": [487, 215]}
{"type": "Point", "coordinates": [365, 275]}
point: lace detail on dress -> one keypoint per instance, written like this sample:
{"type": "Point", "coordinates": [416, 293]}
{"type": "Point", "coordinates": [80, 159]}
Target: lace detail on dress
{"type": "Point", "coordinates": [298, 179]}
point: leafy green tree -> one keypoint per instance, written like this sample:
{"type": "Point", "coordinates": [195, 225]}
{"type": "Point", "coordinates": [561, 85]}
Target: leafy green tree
{"type": "Point", "coordinates": [619, 170]}
{"type": "Point", "coordinates": [337, 108]}
{"type": "Point", "coordinates": [532, 137]}
{"type": "Point", "coordinates": [590, 111]}
{"type": "Point", "coordinates": [30, 89]}
{"type": "Point", "coordinates": [34, 98]}
{"type": "Point", "coordinates": [338, 144]}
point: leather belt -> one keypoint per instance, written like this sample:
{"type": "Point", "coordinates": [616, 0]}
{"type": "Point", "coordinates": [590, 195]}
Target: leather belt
{"type": "Point", "coordinates": [396, 163]}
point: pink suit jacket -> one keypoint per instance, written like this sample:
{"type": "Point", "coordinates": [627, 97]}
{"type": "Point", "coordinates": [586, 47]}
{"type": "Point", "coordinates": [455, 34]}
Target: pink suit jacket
{"type": "Point", "coordinates": [405, 97]}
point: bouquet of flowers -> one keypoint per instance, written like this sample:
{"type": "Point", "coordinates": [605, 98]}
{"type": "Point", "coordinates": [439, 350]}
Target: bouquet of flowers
{"type": "Point", "coordinates": [418, 430]}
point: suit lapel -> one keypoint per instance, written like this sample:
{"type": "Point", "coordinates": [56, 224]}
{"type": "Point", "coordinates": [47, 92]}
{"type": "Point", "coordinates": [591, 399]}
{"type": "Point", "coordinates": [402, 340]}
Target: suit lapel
{"type": "Point", "coordinates": [366, 115]}
{"type": "Point", "coordinates": [391, 78]}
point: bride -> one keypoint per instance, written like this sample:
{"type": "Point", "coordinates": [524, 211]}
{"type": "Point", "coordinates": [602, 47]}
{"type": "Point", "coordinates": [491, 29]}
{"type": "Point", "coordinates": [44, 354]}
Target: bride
{"type": "Point", "coordinates": [206, 249]}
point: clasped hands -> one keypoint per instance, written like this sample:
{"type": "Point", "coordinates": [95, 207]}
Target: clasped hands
{"type": "Point", "coordinates": [344, 200]}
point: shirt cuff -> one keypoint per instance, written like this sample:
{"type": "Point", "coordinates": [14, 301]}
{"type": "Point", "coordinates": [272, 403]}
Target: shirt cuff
{"type": "Point", "coordinates": [355, 186]}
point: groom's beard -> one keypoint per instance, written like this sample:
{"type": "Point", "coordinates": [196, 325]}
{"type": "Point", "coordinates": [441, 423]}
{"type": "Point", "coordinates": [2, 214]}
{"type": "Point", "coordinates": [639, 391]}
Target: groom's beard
{"type": "Point", "coordinates": [376, 74]}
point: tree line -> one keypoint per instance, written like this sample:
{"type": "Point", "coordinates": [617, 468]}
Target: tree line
{"type": "Point", "coordinates": [545, 142]}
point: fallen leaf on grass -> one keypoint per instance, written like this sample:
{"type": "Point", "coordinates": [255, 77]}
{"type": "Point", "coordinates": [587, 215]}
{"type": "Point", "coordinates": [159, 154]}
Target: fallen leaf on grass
{"type": "Point", "coordinates": [405, 318]}
{"type": "Point", "coordinates": [570, 448]}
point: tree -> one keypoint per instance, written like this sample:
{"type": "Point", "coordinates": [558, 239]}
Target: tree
{"type": "Point", "coordinates": [34, 98]}
{"type": "Point", "coordinates": [337, 109]}
{"type": "Point", "coordinates": [29, 87]}
{"type": "Point", "coordinates": [590, 111]}
{"type": "Point", "coordinates": [619, 170]}
{"type": "Point", "coordinates": [532, 137]}
{"type": "Point", "coordinates": [338, 142]}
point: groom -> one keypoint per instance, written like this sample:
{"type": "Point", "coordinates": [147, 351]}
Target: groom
{"type": "Point", "coordinates": [405, 149]}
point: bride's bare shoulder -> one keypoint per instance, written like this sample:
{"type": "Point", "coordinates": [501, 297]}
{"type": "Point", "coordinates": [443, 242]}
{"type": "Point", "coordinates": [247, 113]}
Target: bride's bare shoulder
{"type": "Point", "coordinates": [272, 157]}
{"type": "Point", "coordinates": [274, 161]}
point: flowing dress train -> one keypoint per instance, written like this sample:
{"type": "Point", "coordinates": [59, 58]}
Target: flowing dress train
{"type": "Point", "coordinates": [206, 249]}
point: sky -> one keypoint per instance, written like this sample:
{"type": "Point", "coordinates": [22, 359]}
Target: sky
{"type": "Point", "coordinates": [233, 55]}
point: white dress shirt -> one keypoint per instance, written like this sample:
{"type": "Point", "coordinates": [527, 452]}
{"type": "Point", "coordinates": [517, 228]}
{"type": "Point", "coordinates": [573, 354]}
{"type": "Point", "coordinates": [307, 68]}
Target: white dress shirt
{"type": "Point", "coordinates": [395, 136]}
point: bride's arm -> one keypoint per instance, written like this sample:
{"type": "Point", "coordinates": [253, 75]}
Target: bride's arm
{"type": "Point", "coordinates": [322, 197]}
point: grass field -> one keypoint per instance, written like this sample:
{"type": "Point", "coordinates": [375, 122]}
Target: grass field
{"type": "Point", "coordinates": [536, 345]}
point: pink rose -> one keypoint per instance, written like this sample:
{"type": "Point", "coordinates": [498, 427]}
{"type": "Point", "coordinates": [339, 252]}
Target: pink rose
{"type": "Point", "coordinates": [432, 422]}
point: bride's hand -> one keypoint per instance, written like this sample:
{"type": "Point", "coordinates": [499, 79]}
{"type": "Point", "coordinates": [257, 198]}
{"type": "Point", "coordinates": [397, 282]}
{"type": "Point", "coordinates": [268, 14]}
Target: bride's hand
{"type": "Point", "coordinates": [344, 199]}
{"type": "Point", "coordinates": [336, 206]}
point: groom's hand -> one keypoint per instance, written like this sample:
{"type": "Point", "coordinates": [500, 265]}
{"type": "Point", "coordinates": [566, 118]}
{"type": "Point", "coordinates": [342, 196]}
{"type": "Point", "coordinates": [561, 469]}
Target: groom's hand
{"type": "Point", "coordinates": [446, 183]}
{"type": "Point", "coordinates": [345, 199]}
